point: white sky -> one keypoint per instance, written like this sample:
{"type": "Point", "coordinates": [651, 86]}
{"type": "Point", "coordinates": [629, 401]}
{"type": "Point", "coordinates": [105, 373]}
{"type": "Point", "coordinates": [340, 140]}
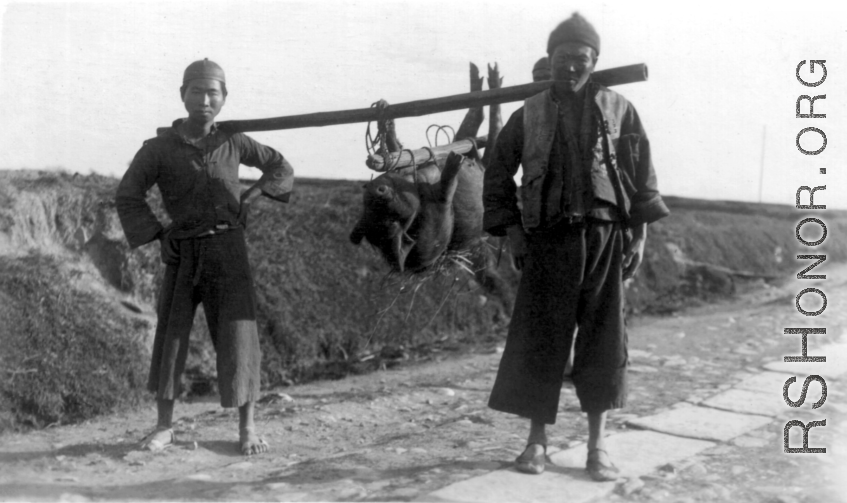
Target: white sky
{"type": "Point", "coordinates": [83, 84]}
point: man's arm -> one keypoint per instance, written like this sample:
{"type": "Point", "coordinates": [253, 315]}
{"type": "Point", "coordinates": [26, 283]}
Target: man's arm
{"type": "Point", "coordinates": [647, 205]}
{"type": "Point", "coordinates": [499, 195]}
{"type": "Point", "coordinates": [634, 253]}
{"type": "Point", "coordinates": [499, 192]}
{"type": "Point", "coordinates": [137, 219]}
{"type": "Point", "coordinates": [277, 178]}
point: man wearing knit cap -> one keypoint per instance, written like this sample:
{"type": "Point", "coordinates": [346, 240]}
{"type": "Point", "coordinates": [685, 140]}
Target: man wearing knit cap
{"type": "Point", "coordinates": [195, 164]}
{"type": "Point", "coordinates": [588, 191]}
{"type": "Point", "coordinates": [541, 72]}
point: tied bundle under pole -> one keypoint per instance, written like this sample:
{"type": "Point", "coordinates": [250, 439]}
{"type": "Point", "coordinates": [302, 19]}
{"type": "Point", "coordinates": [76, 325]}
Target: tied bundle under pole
{"type": "Point", "coordinates": [411, 158]}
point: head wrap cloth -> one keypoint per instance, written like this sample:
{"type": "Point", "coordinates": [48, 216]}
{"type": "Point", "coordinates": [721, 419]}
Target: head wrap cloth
{"type": "Point", "coordinates": [541, 64]}
{"type": "Point", "coordinates": [575, 29]}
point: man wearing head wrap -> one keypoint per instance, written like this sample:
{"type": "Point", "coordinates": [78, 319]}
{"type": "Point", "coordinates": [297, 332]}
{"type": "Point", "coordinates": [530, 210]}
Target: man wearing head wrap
{"type": "Point", "coordinates": [588, 191]}
{"type": "Point", "coordinates": [195, 165]}
{"type": "Point", "coordinates": [541, 70]}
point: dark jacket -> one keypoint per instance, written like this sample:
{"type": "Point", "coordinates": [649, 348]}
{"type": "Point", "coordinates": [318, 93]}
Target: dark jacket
{"type": "Point", "coordinates": [200, 188]}
{"type": "Point", "coordinates": [623, 148]}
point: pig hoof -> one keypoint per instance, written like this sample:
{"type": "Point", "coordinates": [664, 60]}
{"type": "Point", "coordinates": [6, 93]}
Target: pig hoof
{"type": "Point", "coordinates": [494, 78]}
{"type": "Point", "coordinates": [454, 158]}
{"type": "Point", "coordinates": [476, 80]}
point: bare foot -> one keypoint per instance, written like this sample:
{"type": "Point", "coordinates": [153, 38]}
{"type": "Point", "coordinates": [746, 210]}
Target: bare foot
{"type": "Point", "coordinates": [252, 443]}
{"type": "Point", "coordinates": [158, 440]}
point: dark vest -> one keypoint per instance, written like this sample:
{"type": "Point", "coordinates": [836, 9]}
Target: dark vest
{"type": "Point", "coordinates": [541, 117]}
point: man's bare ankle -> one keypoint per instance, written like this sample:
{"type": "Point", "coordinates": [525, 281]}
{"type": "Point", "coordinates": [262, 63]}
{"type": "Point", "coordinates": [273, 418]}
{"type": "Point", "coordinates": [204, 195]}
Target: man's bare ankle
{"type": "Point", "coordinates": [537, 439]}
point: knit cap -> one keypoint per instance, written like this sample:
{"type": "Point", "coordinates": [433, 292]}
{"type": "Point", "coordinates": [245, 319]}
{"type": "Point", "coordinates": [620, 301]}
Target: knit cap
{"type": "Point", "coordinates": [575, 29]}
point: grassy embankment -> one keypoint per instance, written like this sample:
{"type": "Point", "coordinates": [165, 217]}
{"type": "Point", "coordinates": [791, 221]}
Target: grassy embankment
{"type": "Point", "coordinates": [77, 312]}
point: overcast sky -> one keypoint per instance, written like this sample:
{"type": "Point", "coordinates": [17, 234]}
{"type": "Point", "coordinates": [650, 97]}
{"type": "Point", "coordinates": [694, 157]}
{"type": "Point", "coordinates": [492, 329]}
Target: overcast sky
{"type": "Point", "coordinates": [83, 84]}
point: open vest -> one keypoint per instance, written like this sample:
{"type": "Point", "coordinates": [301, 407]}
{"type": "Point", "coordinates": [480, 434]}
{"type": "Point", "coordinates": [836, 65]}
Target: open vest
{"type": "Point", "coordinates": [541, 118]}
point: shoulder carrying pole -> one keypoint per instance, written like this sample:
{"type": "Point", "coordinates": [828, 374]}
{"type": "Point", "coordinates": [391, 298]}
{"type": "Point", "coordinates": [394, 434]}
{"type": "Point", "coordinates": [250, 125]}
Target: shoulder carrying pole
{"type": "Point", "coordinates": [610, 77]}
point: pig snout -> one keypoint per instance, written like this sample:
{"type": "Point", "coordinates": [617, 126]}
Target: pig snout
{"type": "Point", "coordinates": [382, 191]}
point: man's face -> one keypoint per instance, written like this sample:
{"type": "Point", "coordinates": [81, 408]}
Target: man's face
{"type": "Point", "coordinates": [203, 99]}
{"type": "Point", "coordinates": [572, 64]}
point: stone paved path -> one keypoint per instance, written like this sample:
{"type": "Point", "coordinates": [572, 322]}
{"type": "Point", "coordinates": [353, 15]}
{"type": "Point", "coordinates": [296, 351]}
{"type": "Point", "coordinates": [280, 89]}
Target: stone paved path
{"type": "Point", "coordinates": [684, 431]}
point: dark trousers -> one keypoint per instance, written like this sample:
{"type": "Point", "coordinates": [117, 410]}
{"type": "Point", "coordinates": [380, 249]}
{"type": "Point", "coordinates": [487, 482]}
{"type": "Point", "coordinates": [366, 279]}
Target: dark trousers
{"type": "Point", "coordinates": [572, 277]}
{"type": "Point", "coordinates": [212, 270]}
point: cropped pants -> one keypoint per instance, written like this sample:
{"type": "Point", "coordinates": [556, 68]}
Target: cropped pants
{"type": "Point", "coordinates": [212, 270]}
{"type": "Point", "coordinates": [572, 277]}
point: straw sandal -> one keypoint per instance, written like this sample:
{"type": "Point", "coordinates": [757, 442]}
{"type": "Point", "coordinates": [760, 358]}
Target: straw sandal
{"type": "Point", "coordinates": [598, 471]}
{"type": "Point", "coordinates": [527, 463]}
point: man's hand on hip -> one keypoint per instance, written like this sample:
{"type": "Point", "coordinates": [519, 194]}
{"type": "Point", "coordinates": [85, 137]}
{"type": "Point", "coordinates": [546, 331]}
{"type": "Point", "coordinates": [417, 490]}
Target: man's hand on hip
{"type": "Point", "coordinates": [517, 243]}
{"type": "Point", "coordinates": [247, 199]}
{"type": "Point", "coordinates": [168, 248]}
{"type": "Point", "coordinates": [634, 252]}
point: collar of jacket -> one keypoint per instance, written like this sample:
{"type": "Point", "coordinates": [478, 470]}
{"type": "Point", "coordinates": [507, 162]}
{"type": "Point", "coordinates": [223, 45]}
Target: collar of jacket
{"type": "Point", "coordinates": [173, 131]}
{"type": "Point", "coordinates": [610, 103]}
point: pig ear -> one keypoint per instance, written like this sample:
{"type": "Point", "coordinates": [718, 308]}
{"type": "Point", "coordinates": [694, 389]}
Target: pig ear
{"type": "Point", "coordinates": [358, 234]}
{"type": "Point", "coordinates": [408, 240]}
{"type": "Point", "coordinates": [401, 244]}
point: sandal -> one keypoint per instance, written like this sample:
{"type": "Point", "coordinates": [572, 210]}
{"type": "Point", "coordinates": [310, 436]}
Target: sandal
{"type": "Point", "coordinates": [598, 471]}
{"type": "Point", "coordinates": [150, 443]}
{"type": "Point", "coordinates": [527, 463]}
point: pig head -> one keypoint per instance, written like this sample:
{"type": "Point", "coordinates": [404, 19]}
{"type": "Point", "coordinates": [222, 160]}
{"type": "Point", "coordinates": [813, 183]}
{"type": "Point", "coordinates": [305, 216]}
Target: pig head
{"type": "Point", "coordinates": [413, 216]}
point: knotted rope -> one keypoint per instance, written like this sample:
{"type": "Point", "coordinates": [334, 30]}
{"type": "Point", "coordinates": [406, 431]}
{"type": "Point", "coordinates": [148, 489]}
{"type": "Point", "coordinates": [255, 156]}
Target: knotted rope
{"type": "Point", "coordinates": [440, 129]}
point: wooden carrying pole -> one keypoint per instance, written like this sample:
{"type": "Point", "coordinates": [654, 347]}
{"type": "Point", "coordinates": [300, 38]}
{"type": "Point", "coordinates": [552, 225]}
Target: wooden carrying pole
{"type": "Point", "coordinates": [609, 77]}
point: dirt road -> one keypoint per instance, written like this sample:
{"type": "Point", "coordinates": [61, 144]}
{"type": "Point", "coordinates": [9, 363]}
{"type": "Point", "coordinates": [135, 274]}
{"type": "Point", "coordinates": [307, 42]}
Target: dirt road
{"type": "Point", "coordinates": [402, 434]}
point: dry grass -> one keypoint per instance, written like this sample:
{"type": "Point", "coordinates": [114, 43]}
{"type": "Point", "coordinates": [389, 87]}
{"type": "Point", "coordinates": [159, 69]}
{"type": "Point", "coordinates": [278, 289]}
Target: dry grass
{"type": "Point", "coordinates": [66, 357]}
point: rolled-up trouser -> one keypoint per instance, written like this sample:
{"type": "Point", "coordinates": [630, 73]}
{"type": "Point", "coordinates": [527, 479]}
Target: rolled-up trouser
{"type": "Point", "coordinates": [212, 270]}
{"type": "Point", "coordinates": [571, 277]}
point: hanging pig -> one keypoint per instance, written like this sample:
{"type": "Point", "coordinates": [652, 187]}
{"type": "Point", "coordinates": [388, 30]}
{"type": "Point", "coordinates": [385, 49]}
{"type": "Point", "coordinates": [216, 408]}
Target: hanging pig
{"type": "Point", "coordinates": [413, 216]}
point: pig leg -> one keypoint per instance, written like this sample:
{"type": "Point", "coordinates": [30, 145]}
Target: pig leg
{"type": "Point", "coordinates": [473, 119]}
{"type": "Point", "coordinates": [495, 121]}
{"type": "Point", "coordinates": [437, 218]}
{"type": "Point", "coordinates": [401, 245]}
{"type": "Point", "coordinates": [392, 143]}
{"type": "Point", "coordinates": [433, 227]}
{"type": "Point", "coordinates": [450, 177]}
